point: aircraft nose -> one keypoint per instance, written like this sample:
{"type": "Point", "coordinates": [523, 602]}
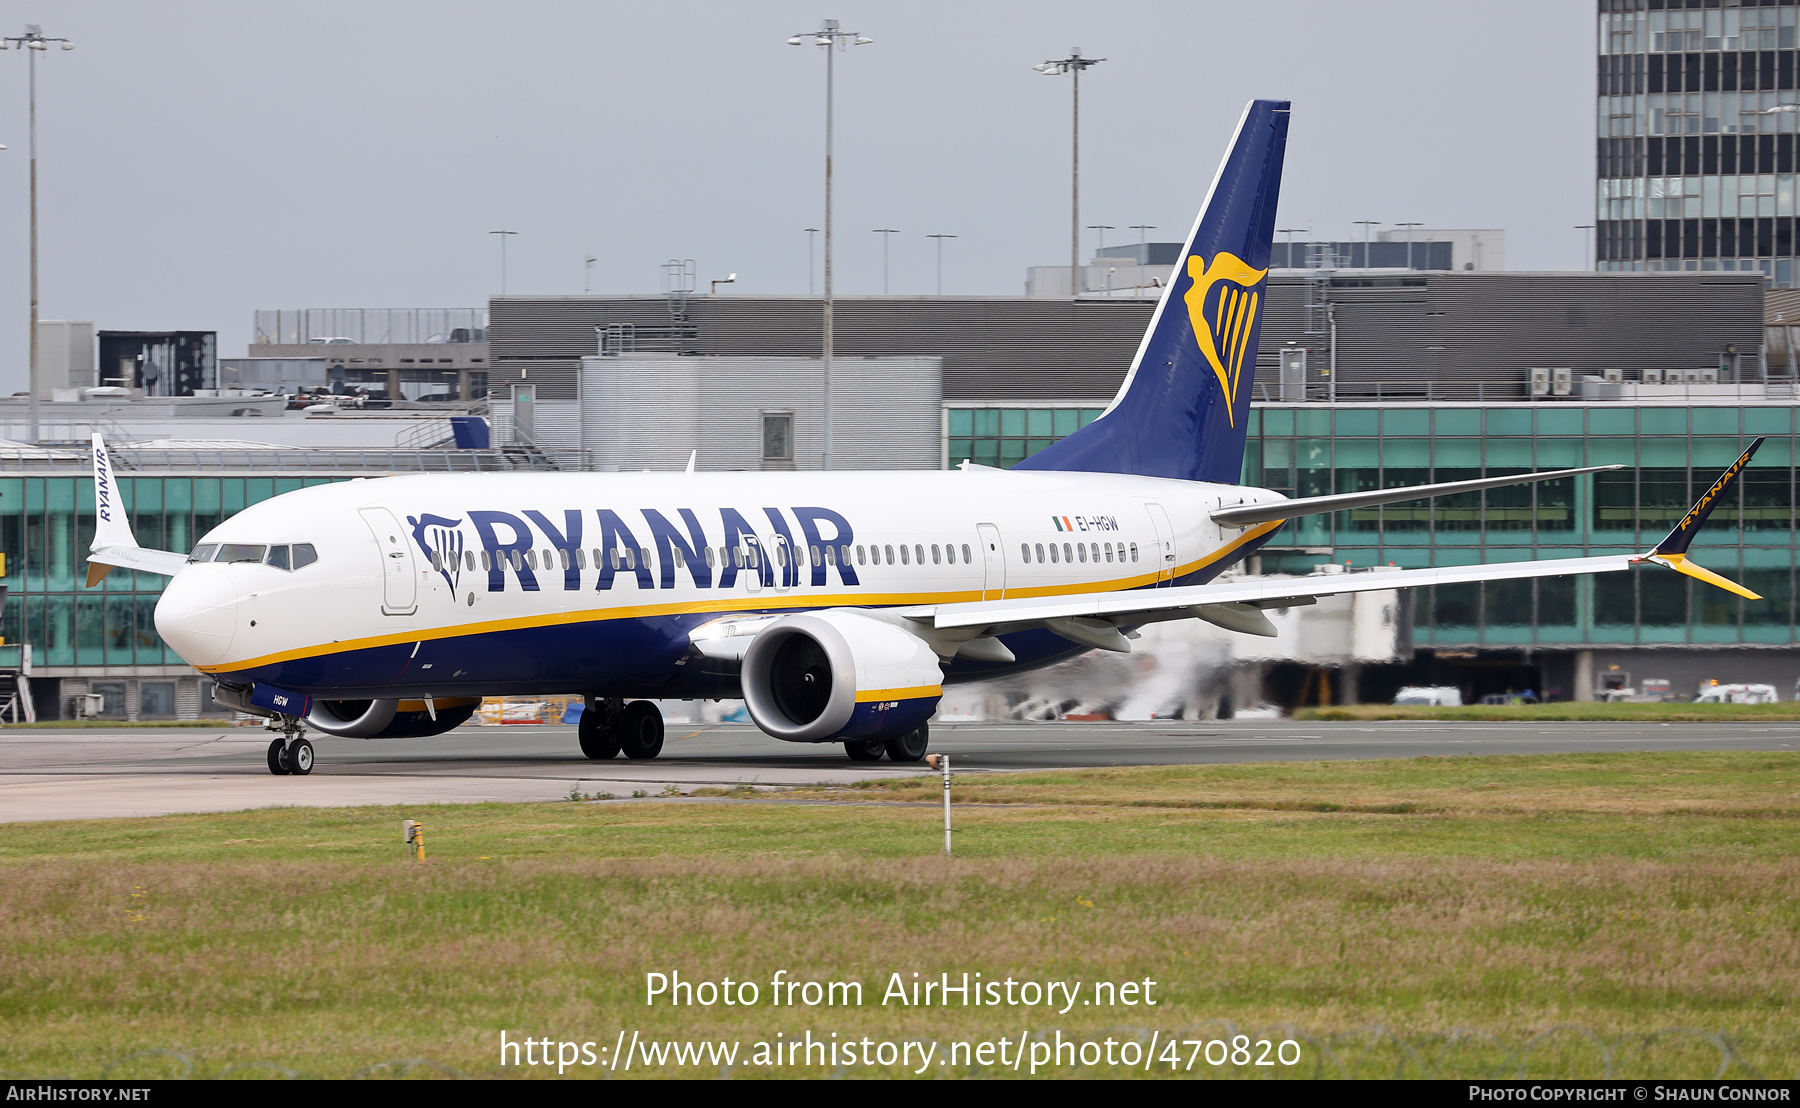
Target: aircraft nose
{"type": "Point", "coordinates": [197, 614]}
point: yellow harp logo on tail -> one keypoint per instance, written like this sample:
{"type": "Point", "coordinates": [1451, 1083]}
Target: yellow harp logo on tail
{"type": "Point", "coordinates": [1223, 331]}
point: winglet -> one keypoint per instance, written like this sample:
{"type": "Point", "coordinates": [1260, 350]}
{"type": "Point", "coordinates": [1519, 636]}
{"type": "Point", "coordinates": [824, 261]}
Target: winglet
{"type": "Point", "coordinates": [1672, 551]}
{"type": "Point", "coordinates": [111, 528]}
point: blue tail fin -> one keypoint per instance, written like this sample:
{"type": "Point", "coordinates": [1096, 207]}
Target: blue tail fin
{"type": "Point", "coordinates": [1182, 409]}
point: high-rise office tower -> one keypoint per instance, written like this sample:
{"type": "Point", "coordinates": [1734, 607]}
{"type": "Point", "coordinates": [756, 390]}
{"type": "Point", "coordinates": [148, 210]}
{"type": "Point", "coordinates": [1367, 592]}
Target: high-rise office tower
{"type": "Point", "coordinates": [1697, 112]}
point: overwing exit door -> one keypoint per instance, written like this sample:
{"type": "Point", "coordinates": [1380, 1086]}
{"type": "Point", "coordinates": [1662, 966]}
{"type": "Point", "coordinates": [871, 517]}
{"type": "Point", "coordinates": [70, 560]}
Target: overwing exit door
{"type": "Point", "coordinates": [399, 583]}
{"type": "Point", "coordinates": [993, 562]}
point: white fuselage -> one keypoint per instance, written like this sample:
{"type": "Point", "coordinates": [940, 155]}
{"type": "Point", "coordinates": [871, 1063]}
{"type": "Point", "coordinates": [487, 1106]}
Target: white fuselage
{"type": "Point", "coordinates": [415, 590]}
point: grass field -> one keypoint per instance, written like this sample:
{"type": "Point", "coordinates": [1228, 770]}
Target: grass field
{"type": "Point", "coordinates": [1441, 916]}
{"type": "Point", "coordinates": [1563, 711]}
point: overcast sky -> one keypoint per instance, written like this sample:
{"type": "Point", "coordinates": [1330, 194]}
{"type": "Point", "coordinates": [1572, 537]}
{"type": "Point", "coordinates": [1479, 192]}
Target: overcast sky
{"type": "Point", "coordinates": [200, 160]}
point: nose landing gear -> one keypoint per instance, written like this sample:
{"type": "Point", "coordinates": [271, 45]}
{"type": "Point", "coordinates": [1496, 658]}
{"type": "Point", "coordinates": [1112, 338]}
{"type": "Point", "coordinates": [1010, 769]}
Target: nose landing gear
{"type": "Point", "coordinates": [289, 753]}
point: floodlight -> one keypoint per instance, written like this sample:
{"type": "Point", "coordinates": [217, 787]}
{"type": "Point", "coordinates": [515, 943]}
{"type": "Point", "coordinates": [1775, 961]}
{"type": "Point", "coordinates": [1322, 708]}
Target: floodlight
{"type": "Point", "coordinates": [37, 45]}
{"type": "Point", "coordinates": [795, 41]}
{"type": "Point", "coordinates": [863, 40]}
{"type": "Point", "coordinates": [68, 46]}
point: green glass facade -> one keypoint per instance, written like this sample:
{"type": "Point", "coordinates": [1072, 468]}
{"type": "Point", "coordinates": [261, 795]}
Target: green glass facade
{"type": "Point", "coordinates": [1673, 453]}
{"type": "Point", "coordinates": [46, 524]}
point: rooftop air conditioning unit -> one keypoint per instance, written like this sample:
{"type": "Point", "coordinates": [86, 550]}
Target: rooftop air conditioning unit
{"type": "Point", "coordinates": [1538, 379]}
{"type": "Point", "coordinates": [1652, 377]}
{"type": "Point", "coordinates": [1562, 380]}
{"type": "Point", "coordinates": [1709, 375]}
{"type": "Point", "coordinates": [1612, 376]}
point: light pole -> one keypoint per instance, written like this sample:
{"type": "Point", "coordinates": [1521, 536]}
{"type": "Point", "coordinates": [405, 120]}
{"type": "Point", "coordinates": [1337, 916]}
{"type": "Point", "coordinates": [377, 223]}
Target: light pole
{"type": "Point", "coordinates": [884, 232]}
{"type": "Point", "coordinates": [1586, 250]}
{"type": "Point", "coordinates": [1142, 229]}
{"type": "Point", "coordinates": [33, 40]}
{"type": "Point", "coordinates": [1365, 224]}
{"type": "Point", "coordinates": [1409, 242]}
{"type": "Point", "coordinates": [940, 260]}
{"type": "Point", "coordinates": [1289, 232]}
{"type": "Point", "coordinates": [810, 232]}
{"type": "Point", "coordinates": [587, 273]}
{"type": "Point", "coordinates": [1073, 64]}
{"type": "Point", "coordinates": [1102, 228]}
{"type": "Point", "coordinates": [832, 39]}
{"type": "Point", "coordinates": [503, 235]}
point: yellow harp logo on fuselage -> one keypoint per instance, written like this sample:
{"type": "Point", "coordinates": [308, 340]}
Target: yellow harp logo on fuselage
{"type": "Point", "coordinates": [1223, 331]}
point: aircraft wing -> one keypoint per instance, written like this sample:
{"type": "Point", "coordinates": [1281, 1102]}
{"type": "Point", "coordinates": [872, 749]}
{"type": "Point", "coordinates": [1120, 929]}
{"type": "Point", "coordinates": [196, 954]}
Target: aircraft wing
{"type": "Point", "coordinates": [1094, 619]}
{"type": "Point", "coordinates": [1313, 505]}
{"type": "Point", "coordinates": [1133, 606]}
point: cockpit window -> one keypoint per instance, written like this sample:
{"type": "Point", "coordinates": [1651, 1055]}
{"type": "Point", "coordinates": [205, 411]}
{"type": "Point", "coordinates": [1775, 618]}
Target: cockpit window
{"type": "Point", "coordinates": [278, 557]}
{"type": "Point", "coordinates": [204, 552]}
{"type": "Point", "coordinates": [304, 554]}
{"type": "Point", "coordinates": [241, 552]}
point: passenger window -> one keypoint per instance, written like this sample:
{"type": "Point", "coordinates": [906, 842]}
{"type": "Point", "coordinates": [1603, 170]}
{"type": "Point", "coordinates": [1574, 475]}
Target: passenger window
{"type": "Point", "coordinates": [1109, 551]}
{"type": "Point", "coordinates": [563, 557]}
{"type": "Point", "coordinates": [1067, 553]}
{"type": "Point", "coordinates": [612, 558]}
{"type": "Point", "coordinates": [278, 557]}
{"type": "Point", "coordinates": [204, 552]}
{"type": "Point", "coordinates": [750, 558]}
{"type": "Point", "coordinates": [645, 560]}
{"type": "Point", "coordinates": [1040, 551]}
{"type": "Point", "coordinates": [531, 559]}
{"type": "Point", "coordinates": [904, 560]}
{"type": "Point", "coordinates": [890, 555]}
{"type": "Point", "coordinates": [1134, 551]}
{"type": "Point", "coordinates": [936, 556]}
{"type": "Point", "coordinates": [485, 561]}
{"type": "Point", "coordinates": [676, 555]}
{"type": "Point", "coordinates": [966, 558]}
{"type": "Point", "coordinates": [580, 559]}
{"type": "Point", "coordinates": [1081, 551]}
{"type": "Point", "coordinates": [1025, 551]}
{"type": "Point", "coordinates": [861, 559]}
{"type": "Point", "coordinates": [1096, 547]}
{"type": "Point", "coordinates": [709, 557]}
{"type": "Point", "coordinates": [241, 552]}
{"type": "Point", "coordinates": [469, 556]}
{"type": "Point", "coordinates": [919, 553]}
{"type": "Point", "coordinates": [831, 556]}
{"type": "Point", "coordinates": [737, 557]}
{"type": "Point", "coordinates": [1053, 555]}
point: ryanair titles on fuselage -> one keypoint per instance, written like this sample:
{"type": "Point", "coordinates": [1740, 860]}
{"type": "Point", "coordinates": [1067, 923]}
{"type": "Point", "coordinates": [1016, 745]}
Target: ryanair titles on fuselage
{"type": "Point", "coordinates": [505, 542]}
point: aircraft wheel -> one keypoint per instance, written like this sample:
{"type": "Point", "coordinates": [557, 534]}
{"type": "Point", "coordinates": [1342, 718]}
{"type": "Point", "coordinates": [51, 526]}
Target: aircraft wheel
{"type": "Point", "coordinates": [598, 731]}
{"type": "Point", "coordinates": [300, 758]}
{"type": "Point", "coordinates": [909, 747]}
{"type": "Point", "coordinates": [865, 750]}
{"type": "Point", "coordinates": [641, 730]}
{"type": "Point", "coordinates": [278, 758]}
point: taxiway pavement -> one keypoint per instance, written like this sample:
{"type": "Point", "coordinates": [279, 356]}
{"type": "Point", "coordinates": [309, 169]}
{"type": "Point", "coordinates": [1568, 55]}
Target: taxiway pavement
{"type": "Point", "coordinates": [95, 774]}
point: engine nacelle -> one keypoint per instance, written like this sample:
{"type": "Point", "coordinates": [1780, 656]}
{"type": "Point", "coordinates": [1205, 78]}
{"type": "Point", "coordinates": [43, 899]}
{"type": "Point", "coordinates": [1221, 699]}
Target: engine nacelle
{"type": "Point", "coordinates": [389, 719]}
{"type": "Point", "coordinates": [836, 674]}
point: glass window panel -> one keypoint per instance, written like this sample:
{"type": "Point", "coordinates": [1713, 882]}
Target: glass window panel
{"type": "Point", "coordinates": [961, 422]}
{"type": "Point", "coordinates": [1456, 606]}
{"type": "Point", "coordinates": [1412, 515]}
{"type": "Point", "coordinates": [1064, 421]}
{"type": "Point", "coordinates": [1089, 415]}
{"type": "Point", "coordinates": [1278, 421]}
{"type": "Point", "coordinates": [1358, 480]}
{"type": "Point", "coordinates": [1406, 453]}
{"type": "Point", "coordinates": [1613, 421]}
{"type": "Point", "coordinates": [1459, 511]}
{"type": "Point", "coordinates": [1559, 423]}
{"type": "Point", "coordinates": [960, 450]}
{"type": "Point", "coordinates": [1508, 507]}
{"type": "Point", "coordinates": [1768, 421]}
{"type": "Point", "coordinates": [1038, 422]}
{"type": "Point", "coordinates": [1357, 422]}
{"type": "Point", "coordinates": [1252, 426]}
{"type": "Point", "coordinates": [1312, 423]}
{"type": "Point", "coordinates": [987, 452]}
{"type": "Point", "coordinates": [1406, 421]}
{"type": "Point", "coordinates": [231, 490]}
{"type": "Point", "coordinates": [121, 629]}
{"type": "Point", "coordinates": [1615, 498]}
{"type": "Point", "coordinates": [148, 645]}
{"type": "Point", "coordinates": [1012, 422]}
{"type": "Point", "coordinates": [1356, 453]}
{"type": "Point", "coordinates": [1663, 421]}
{"type": "Point", "coordinates": [987, 421]}
{"type": "Point", "coordinates": [1556, 505]}
{"type": "Point", "coordinates": [1012, 452]}
{"type": "Point", "coordinates": [59, 630]}
{"type": "Point", "coordinates": [1768, 499]}
{"type": "Point", "coordinates": [1035, 445]}
{"type": "Point", "coordinates": [90, 629]}
{"type": "Point", "coordinates": [1459, 453]}
{"type": "Point", "coordinates": [1662, 496]}
{"type": "Point", "coordinates": [1662, 598]}
{"type": "Point", "coordinates": [1508, 603]}
{"type": "Point", "coordinates": [1558, 453]}
{"type": "Point", "coordinates": [1777, 589]}
{"type": "Point", "coordinates": [1556, 601]}
{"type": "Point", "coordinates": [1509, 452]}
{"type": "Point", "coordinates": [1714, 455]}
{"type": "Point", "coordinates": [1715, 421]}
{"type": "Point", "coordinates": [1458, 421]}
{"type": "Point", "coordinates": [1508, 421]}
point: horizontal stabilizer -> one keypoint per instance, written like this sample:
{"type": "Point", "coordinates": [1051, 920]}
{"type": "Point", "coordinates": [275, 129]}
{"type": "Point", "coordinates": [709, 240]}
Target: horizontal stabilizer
{"type": "Point", "coordinates": [1314, 505]}
{"type": "Point", "coordinates": [114, 546]}
{"type": "Point", "coordinates": [165, 562]}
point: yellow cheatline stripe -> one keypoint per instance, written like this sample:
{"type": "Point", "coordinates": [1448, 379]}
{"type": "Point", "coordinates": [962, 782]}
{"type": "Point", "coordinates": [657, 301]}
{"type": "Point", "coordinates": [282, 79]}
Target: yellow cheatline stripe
{"type": "Point", "coordinates": [736, 603]}
{"type": "Point", "coordinates": [914, 693]}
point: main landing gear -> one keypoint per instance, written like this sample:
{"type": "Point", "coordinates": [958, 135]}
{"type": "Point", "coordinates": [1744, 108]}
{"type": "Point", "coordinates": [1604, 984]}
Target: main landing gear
{"type": "Point", "coordinates": [289, 754]}
{"type": "Point", "coordinates": [609, 726]}
{"type": "Point", "coordinates": [909, 747]}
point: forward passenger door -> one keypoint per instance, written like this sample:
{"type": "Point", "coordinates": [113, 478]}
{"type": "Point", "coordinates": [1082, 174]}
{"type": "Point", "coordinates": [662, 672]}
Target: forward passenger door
{"type": "Point", "coordinates": [399, 583]}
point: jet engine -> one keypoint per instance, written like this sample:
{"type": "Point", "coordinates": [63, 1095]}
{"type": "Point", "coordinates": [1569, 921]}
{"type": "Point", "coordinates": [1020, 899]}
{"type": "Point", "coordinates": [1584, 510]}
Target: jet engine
{"type": "Point", "coordinates": [389, 719]}
{"type": "Point", "coordinates": [836, 674]}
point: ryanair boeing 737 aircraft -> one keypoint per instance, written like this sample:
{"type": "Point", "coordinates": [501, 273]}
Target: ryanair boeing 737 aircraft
{"type": "Point", "coordinates": [836, 605]}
